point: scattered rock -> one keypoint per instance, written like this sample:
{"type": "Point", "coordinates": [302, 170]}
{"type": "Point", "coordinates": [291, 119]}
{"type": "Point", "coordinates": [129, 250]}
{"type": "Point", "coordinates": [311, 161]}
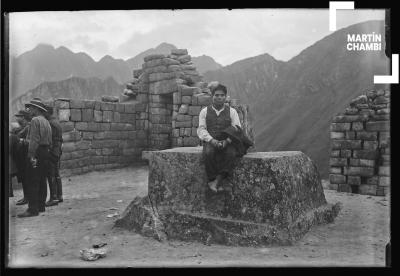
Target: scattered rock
{"type": "Point", "coordinates": [93, 254]}
{"type": "Point", "coordinates": [44, 254]}
{"type": "Point", "coordinates": [112, 215]}
{"type": "Point", "coordinates": [99, 245]}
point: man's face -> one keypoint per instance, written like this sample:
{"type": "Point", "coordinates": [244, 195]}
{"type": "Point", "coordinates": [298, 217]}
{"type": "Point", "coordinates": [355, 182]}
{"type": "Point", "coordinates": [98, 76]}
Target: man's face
{"type": "Point", "coordinates": [32, 110]}
{"type": "Point", "coordinates": [219, 97]}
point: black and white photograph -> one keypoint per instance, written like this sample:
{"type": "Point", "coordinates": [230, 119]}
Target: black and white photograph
{"type": "Point", "coordinates": [253, 137]}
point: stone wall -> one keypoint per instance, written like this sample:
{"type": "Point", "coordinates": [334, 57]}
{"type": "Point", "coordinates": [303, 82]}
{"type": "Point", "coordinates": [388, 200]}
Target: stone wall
{"type": "Point", "coordinates": [100, 135]}
{"type": "Point", "coordinates": [175, 94]}
{"type": "Point", "coordinates": [159, 110]}
{"type": "Point", "coordinates": [360, 146]}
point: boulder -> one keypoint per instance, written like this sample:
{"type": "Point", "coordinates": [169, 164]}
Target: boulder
{"type": "Point", "coordinates": [270, 198]}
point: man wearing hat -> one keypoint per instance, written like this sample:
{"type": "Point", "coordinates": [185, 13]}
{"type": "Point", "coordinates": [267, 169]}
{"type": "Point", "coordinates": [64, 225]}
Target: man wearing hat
{"type": "Point", "coordinates": [40, 140]}
{"type": "Point", "coordinates": [53, 173]}
{"type": "Point", "coordinates": [21, 158]}
{"type": "Point", "coordinates": [219, 154]}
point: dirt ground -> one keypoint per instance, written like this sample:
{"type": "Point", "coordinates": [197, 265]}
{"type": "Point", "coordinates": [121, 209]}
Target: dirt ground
{"type": "Point", "coordinates": [54, 238]}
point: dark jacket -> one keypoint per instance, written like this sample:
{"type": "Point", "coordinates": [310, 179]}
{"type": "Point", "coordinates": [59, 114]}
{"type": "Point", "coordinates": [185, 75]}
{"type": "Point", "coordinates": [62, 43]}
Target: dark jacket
{"type": "Point", "coordinates": [239, 139]}
{"type": "Point", "coordinates": [56, 131]}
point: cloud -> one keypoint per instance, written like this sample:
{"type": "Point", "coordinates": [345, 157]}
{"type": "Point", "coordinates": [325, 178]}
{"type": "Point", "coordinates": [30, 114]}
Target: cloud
{"type": "Point", "coordinates": [182, 31]}
{"type": "Point", "coordinates": [225, 35]}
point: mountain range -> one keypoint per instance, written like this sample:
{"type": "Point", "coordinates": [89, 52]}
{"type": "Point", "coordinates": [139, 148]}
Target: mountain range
{"type": "Point", "coordinates": [72, 88]}
{"type": "Point", "coordinates": [45, 63]}
{"type": "Point", "coordinates": [293, 102]}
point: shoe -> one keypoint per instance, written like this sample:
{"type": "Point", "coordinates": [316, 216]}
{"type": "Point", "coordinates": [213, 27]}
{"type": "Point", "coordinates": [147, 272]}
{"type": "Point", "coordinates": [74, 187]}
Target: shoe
{"type": "Point", "coordinates": [60, 200]}
{"type": "Point", "coordinates": [41, 210]}
{"type": "Point", "coordinates": [22, 202]}
{"type": "Point", "coordinates": [27, 214]}
{"type": "Point", "coordinates": [51, 202]}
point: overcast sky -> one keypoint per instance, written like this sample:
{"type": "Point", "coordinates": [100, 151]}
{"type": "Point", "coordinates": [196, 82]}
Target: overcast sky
{"type": "Point", "coordinates": [225, 35]}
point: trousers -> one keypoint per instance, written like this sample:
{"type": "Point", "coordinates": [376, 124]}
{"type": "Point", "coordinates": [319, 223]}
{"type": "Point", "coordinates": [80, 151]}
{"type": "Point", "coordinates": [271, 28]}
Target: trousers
{"type": "Point", "coordinates": [53, 177]}
{"type": "Point", "coordinates": [217, 161]}
{"type": "Point", "coordinates": [37, 186]}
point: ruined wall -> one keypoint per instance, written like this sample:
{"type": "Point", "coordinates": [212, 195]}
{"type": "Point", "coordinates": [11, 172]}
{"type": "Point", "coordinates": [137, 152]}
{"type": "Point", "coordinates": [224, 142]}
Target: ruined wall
{"type": "Point", "coordinates": [159, 110]}
{"type": "Point", "coordinates": [99, 135]}
{"type": "Point", "coordinates": [175, 94]}
{"type": "Point", "coordinates": [360, 146]}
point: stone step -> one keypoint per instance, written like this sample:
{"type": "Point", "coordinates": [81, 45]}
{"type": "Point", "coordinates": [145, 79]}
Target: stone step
{"type": "Point", "coordinates": [164, 223]}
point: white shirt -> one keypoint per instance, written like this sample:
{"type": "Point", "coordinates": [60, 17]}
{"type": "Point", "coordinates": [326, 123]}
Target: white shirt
{"type": "Point", "coordinates": [202, 132]}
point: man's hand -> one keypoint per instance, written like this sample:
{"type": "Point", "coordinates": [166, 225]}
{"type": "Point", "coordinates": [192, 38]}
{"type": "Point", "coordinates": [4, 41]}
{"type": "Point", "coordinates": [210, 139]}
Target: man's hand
{"type": "Point", "coordinates": [224, 144]}
{"type": "Point", "coordinates": [215, 143]}
{"type": "Point", "coordinates": [33, 162]}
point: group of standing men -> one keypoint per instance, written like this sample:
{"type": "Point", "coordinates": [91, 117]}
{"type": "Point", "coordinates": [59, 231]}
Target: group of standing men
{"type": "Point", "coordinates": [35, 152]}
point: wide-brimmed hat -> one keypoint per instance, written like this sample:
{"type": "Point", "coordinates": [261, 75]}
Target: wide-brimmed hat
{"type": "Point", "coordinates": [37, 102]}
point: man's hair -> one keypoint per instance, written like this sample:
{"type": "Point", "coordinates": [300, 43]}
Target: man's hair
{"type": "Point", "coordinates": [219, 87]}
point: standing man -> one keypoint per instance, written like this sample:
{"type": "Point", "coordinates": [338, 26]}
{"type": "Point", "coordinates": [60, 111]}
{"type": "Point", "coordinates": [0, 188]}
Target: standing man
{"type": "Point", "coordinates": [53, 176]}
{"type": "Point", "coordinates": [24, 119]}
{"type": "Point", "coordinates": [39, 138]}
{"type": "Point", "coordinates": [12, 145]}
{"type": "Point", "coordinates": [219, 154]}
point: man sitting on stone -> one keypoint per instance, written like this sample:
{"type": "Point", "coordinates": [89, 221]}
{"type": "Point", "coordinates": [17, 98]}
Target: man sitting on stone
{"type": "Point", "coordinates": [219, 154]}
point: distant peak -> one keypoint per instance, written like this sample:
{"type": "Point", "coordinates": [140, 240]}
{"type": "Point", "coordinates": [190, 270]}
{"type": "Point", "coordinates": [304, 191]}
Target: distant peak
{"type": "Point", "coordinates": [44, 46]}
{"type": "Point", "coordinates": [64, 49]}
{"type": "Point", "coordinates": [106, 57]}
{"type": "Point", "coordinates": [166, 45]}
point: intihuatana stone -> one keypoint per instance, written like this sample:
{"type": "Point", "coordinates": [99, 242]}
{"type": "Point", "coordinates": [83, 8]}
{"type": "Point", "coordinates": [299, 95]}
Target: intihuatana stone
{"type": "Point", "coordinates": [270, 198]}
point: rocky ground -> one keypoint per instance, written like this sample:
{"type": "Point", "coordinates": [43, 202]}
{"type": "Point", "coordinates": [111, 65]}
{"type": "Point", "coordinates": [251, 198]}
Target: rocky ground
{"type": "Point", "coordinates": [53, 239]}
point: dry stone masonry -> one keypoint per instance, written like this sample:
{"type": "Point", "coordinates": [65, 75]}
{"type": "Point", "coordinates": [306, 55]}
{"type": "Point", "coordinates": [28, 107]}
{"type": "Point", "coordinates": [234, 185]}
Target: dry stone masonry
{"type": "Point", "coordinates": [174, 93]}
{"type": "Point", "coordinates": [99, 135]}
{"type": "Point", "coordinates": [360, 146]}
{"type": "Point", "coordinates": [159, 109]}
{"type": "Point", "coordinates": [273, 198]}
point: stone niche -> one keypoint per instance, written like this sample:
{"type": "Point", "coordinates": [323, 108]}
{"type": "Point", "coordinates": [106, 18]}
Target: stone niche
{"type": "Point", "coordinates": [271, 198]}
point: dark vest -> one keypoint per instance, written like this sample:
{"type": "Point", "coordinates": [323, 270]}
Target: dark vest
{"type": "Point", "coordinates": [216, 124]}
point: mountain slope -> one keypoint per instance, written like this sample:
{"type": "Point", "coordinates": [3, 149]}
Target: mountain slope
{"type": "Point", "coordinates": [45, 63]}
{"type": "Point", "coordinates": [293, 110]}
{"type": "Point", "coordinates": [205, 63]}
{"type": "Point", "coordinates": [74, 88]}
